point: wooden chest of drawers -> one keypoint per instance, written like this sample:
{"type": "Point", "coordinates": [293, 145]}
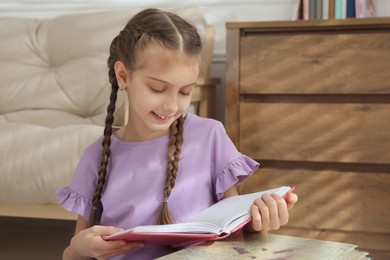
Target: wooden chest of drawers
{"type": "Point", "coordinates": [310, 100]}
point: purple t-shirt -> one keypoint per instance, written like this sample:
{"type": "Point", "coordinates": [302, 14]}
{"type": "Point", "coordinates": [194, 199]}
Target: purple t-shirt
{"type": "Point", "coordinates": [133, 192]}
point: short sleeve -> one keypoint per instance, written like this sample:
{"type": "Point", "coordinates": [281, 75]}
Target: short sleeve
{"type": "Point", "coordinates": [234, 173]}
{"type": "Point", "coordinates": [230, 166]}
{"type": "Point", "coordinates": [78, 195]}
{"type": "Point", "coordinates": [74, 202]}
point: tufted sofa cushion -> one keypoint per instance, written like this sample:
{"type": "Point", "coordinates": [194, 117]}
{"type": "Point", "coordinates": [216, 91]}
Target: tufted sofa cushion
{"type": "Point", "coordinates": [53, 71]}
{"type": "Point", "coordinates": [53, 96]}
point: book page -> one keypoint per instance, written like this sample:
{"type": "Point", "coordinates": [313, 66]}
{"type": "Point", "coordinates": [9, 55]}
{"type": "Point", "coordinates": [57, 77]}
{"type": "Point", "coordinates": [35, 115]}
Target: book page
{"type": "Point", "coordinates": [194, 227]}
{"type": "Point", "coordinates": [232, 211]}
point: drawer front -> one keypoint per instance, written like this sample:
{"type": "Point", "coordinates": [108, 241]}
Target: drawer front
{"type": "Point", "coordinates": [340, 206]}
{"type": "Point", "coordinates": [316, 132]}
{"type": "Point", "coordinates": [351, 196]}
{"type": "Point", "coordinates": [316, 62]}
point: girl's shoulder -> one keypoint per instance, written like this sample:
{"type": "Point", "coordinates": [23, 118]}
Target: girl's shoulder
{"type": "Point", "coordinates": [200, 126]}
{"type": "Point", "coordinates": [93, 150]}
{"type": "Point", "coordinates": [195, 121]}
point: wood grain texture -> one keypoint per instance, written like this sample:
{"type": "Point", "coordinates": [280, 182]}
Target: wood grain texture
{"type": "Point", "coordinates": [331, 199]}
{"type": "Point", "coordinates": [346, 133]}
{"type": "Point", "coordinates": [329, 62]}
{"type": "Point", "coordinates": [232, 85]}
{"type": "Point", "coordinates": [334, 205]}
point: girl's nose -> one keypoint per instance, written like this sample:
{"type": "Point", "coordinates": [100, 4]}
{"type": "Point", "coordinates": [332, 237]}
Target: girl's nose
{"type": "Point", "coordinates": [170, 104]}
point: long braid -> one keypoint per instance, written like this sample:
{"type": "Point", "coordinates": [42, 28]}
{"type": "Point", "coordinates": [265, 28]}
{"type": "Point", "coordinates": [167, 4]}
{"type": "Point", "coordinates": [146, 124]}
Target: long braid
{"type": "Point", "coordinates": [148, 29]}
{"type": "Point", "coordinates": [106, 151]}
{"type": "Point", "coordinates": [174, 151]}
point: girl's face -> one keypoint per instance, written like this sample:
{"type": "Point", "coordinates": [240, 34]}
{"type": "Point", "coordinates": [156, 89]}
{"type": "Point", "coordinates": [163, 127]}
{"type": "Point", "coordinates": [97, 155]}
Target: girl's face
{"type": "Point", "coordinates": [159, 92]}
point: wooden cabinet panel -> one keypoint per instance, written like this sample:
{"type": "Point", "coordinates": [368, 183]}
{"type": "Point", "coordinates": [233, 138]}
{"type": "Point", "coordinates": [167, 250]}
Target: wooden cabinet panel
{"type": "Point", "coordinates": [331, 199]}
{"type": "Point", "coordinates": [333, 205]}
{"type": "Point", "coordinates": [316, 62]}
{"type": "Point", "coordinates": [310, 100]}
{"type": "Point", "coordinates": [317, 132]}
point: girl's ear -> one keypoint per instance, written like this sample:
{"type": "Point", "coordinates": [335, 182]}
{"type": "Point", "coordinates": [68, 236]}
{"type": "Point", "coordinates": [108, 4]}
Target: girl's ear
{"type": "Point", "coordinates": [121, 73]}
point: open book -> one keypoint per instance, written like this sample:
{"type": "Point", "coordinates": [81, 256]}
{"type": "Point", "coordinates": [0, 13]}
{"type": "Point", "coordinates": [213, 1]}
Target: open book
{"type": "Point", "coordinates": [216, 222]}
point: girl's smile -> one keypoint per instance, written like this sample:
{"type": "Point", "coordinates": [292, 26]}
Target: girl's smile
{"type": "Point", "coordinates": [161, 117]}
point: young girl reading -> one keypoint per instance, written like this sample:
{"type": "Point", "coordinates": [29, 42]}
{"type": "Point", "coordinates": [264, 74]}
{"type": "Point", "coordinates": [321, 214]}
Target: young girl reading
{"type": "Point", "coordinates": [165, 164]}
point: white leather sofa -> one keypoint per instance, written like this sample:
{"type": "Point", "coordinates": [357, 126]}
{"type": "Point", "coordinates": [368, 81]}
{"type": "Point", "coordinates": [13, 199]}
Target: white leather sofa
{"type": "Point", "coordinates": [53, 96]}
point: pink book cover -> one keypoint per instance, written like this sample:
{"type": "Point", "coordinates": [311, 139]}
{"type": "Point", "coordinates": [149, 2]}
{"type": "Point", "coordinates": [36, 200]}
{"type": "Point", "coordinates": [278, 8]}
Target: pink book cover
{"type": "Point", "coordinates": [173, 239]}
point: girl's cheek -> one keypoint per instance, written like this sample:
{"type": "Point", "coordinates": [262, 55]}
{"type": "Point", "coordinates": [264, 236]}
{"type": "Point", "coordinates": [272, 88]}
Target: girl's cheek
{"type": "Point", "coordinates": [185, 104]}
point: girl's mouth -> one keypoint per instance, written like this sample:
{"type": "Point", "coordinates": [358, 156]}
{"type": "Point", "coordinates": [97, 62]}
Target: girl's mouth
{"type": "Point", "coordinates": [160, 117]}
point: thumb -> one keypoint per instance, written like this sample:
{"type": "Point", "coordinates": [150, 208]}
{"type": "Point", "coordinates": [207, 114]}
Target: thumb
{"type": "Point", "coordinates": [291, 199]}
{"type": "Point", "coordinates": [106, 230]}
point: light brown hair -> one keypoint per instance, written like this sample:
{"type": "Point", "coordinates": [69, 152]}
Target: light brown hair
{"type": "Point", "coordinates": [168, 30]}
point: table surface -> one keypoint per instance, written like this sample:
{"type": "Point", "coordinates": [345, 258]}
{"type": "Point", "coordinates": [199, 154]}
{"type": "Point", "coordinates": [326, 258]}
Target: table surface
{"type": "Point", "coordinates": [269, 246]}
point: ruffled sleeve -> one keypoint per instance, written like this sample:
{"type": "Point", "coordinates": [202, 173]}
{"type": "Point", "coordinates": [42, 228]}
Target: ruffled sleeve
{"type": "Point", "coordinates": [234, 173]}
{"type": "Point", "coordinates": [74, 202]}
{"type": "Point", "coordinates": [78, 195]}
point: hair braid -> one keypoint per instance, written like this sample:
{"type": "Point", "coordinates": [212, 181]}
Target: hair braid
{"type": "Point", "coordinates": [106, 153]}
{"type": "Point", "coordinates": [174, 151]}
{"type": "Point", "coordinates": [147, 29]}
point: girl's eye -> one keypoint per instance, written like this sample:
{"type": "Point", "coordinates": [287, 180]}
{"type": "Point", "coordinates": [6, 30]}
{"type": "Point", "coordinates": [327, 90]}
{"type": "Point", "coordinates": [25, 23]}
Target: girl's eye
{"type": "Point", "coordinates": [157, 90]}
{"type": "Point", "coordinates": [185, 93]}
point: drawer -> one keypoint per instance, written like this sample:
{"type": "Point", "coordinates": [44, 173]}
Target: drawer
{"type": "Point", "coordinates": [316, 132]}
{"type": "Point", "coordinates": [351, 196]}
{"type": "Point", "coordinates": [315, 62]}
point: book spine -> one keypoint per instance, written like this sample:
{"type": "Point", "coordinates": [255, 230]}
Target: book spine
{"type": "Point", "coordinates": [344, 9]}
{"type": "Point", "coordinates": [325, 9]}
{"type": "Point", "coordinates": [331, 9]}
{"type": "Point", "coordinates": [305, 9]}
{"type": "Point", "coordinates": [370, 8]}
{"type": "Point", "coordinates": [312, 9]}
{"type": "Point", "coordinates": [319, 9]}
{"type": "Point", "coordinates": [351, 9]}
{"type": "Point", "coordinates": [359, 5]}
{"type": "Point", "coordinates": [338, 13]}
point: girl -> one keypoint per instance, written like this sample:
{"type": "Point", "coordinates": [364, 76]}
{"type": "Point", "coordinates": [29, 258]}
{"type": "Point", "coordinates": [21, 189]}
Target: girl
{"type": "Point", "coordinates": [164, 165]}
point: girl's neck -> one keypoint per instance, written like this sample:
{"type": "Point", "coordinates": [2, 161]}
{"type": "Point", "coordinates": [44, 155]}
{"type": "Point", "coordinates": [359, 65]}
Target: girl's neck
{"type": "Point", "coordinates": [129, 133]}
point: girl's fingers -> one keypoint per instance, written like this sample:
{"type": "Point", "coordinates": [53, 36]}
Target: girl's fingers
{"type": "Point", "coordinates": [282, 209]}
{"type": "Point", "coordinates": [272, 205]}
{"type": "Point", "coordinates": [270, 212]}
{"type": "Point", "coordinates": [105, 249]}
{"type": "Point", "coordinates": [126, 247]}
{"type": "Point", "coordinates": [113, 248]}
{"type": "Point", "coordinates": [256, 218]}
{"type": "Point", "coordinates": [105, 230]}
{"type": "Point", "coordinates": [264, 214]}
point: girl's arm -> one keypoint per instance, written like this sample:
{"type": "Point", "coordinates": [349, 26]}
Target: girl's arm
{"type": "Point", "coordinates": [88, 243]}
{"type": "Point", "coordinates": [232, 191]}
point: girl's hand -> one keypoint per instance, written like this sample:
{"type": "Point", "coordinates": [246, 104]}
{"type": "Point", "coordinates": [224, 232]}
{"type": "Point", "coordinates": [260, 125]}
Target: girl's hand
{"type": "Point", "coordinates": [270, 212]}
{"type": "Point", "coordinates": [89, 243]}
